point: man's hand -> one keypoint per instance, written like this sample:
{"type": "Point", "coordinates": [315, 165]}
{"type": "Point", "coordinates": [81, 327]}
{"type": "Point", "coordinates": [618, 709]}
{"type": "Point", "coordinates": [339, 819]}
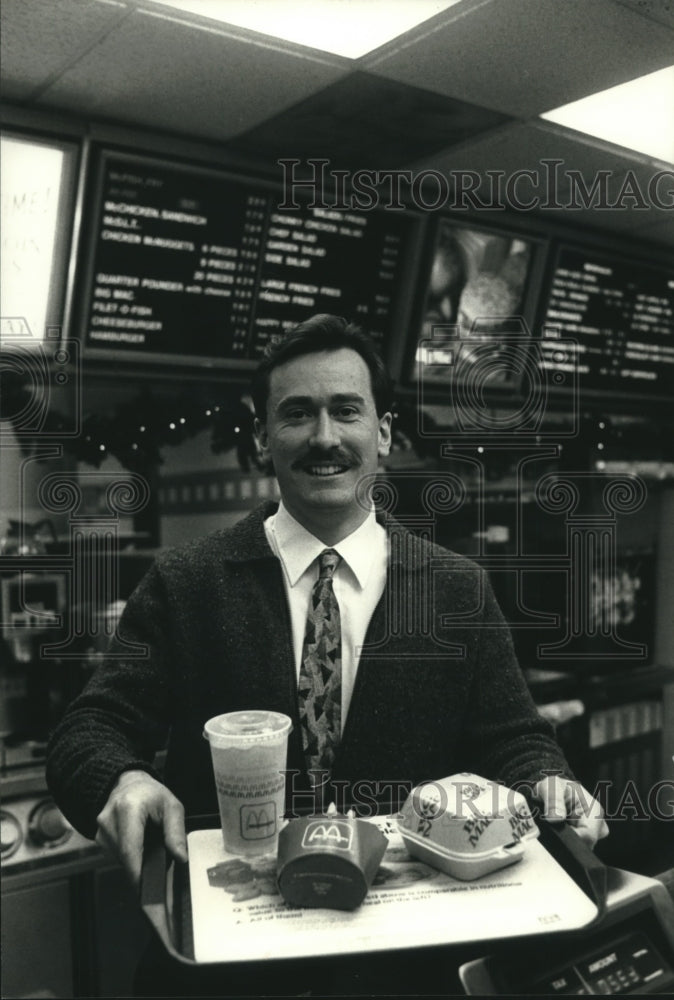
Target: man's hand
{"type": "Point", "coordinates": [136, 798]}
{"type": "Point", "coordinates": [562, 799]}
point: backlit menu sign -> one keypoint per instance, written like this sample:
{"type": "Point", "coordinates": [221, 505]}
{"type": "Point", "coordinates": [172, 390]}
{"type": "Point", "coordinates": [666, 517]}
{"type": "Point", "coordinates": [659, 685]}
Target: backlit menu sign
{"type": "Point", "coordinates": [622, 316]}
{"type": "Point", "coordinates": [190, 264]}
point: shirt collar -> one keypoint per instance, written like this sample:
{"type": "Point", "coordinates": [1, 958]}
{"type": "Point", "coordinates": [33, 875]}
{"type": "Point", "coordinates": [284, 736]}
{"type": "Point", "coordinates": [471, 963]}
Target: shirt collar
{"type": "Point", "coordinates": [298, 548]}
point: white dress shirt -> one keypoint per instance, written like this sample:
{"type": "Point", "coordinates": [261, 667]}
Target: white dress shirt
{"type": "Point", "coordinates": [358, 583]}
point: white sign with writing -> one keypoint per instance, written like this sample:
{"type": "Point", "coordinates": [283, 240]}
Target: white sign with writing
{"type": "Point", "coordinates": [30, 186]}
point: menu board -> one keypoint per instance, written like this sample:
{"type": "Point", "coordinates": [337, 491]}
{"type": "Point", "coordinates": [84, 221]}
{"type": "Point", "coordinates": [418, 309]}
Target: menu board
{"type": "Point", "coordinates": [192, 264]}
{"type": "Point", "coordinates": [621, 314]}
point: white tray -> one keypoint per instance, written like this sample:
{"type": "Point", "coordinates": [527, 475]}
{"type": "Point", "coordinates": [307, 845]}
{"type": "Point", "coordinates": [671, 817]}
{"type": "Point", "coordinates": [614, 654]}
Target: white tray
{"type": "Point", "coordinates": [415, 906]}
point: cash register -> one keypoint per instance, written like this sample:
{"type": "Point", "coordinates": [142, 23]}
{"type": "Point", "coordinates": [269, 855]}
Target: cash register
{"type": "Point", "coordinates": [629, 950]}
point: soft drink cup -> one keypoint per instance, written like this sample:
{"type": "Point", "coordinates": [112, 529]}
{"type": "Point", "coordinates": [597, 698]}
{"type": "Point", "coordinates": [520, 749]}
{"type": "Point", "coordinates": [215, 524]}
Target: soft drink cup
{"type": "Point", "coordinates": [249, 752]}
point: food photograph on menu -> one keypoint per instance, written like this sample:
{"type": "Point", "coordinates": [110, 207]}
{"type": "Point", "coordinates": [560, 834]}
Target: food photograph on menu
{"type": "Point", "coordinates": [475, 295]}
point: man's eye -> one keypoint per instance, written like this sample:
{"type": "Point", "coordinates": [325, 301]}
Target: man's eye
{"type": "Point", "coordinates": [347, 412]}
{"type": "Point", "coordinates": [297, 414]}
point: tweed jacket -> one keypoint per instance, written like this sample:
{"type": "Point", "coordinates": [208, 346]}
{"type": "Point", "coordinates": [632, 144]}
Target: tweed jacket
{"type": "Point", "coordinates": [438, 689]}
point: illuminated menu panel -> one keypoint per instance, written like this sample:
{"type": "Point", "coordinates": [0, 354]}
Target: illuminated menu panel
{"type": "Point", "coordinates": [622, 316]}
{"type": "Point", "coordinates": [324, 260]}
{"type": "Point", "coordinates": [206, 267]}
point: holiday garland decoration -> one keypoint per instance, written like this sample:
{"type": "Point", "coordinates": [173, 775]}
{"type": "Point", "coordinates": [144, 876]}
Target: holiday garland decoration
{"type": "Point", "coordinates": [137, 431]}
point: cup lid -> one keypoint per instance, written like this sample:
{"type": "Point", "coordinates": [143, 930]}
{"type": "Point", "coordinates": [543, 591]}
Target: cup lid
{"type": "Point", "coordinates": [241, 728]}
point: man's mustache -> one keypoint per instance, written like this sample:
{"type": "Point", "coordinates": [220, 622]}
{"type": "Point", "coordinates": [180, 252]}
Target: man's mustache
{"type": "Point", "coordinates": [336, 456]}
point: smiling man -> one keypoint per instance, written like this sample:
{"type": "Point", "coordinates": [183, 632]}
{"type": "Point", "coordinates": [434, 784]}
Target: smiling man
{"type": "Point", "coordinates": [299, 608]}
{"type": "Point", "coordinates": [324, 431]}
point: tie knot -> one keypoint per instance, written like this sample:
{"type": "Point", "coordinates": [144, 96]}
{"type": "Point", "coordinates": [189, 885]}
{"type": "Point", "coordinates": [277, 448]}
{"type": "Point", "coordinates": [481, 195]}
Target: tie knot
{"type": "Point", "coordinates": [328, 562]}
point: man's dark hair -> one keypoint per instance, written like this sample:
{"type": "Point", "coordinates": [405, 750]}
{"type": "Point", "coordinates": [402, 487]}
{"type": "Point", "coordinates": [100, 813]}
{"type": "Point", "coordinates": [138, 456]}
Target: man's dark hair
{"type": "Point", "coordinates": [322, 332]}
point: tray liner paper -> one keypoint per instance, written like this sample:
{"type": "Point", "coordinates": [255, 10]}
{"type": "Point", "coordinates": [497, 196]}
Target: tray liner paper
{"type": "Point", "coordinates": [238, 914]}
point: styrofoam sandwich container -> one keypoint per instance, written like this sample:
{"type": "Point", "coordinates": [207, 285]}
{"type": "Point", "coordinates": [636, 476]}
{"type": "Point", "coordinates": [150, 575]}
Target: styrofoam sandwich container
{"type": "Point", "coordinates": [466, 825]}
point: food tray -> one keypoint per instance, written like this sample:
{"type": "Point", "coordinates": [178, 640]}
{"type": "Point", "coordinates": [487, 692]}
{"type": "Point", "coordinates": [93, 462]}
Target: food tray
{"type": "Point", "coordinates": [559, 886]}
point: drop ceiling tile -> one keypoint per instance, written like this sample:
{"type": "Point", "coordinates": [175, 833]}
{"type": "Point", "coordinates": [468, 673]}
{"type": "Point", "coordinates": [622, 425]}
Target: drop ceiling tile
{"type": "Point", "coordinates": [552, 189]}
{"type": "Point", "coordinates": [367, 122]}
{"type": "Point", "coordinates": [661, 11]}
{"type": "Point", "coordinates": [523, 57]}
{"type": "Point", "coordinates": [167, 73]}
{"type": "Point", "coordinates": [40, 39]}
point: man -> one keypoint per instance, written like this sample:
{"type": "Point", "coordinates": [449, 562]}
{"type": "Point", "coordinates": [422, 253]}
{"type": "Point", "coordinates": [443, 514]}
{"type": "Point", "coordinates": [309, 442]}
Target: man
{"type": "Point", "coordinates": [224, 622]}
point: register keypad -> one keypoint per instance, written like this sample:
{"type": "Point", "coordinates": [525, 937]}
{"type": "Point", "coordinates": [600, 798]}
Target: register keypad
{"type": "Point", "coordinates": [628, 964]}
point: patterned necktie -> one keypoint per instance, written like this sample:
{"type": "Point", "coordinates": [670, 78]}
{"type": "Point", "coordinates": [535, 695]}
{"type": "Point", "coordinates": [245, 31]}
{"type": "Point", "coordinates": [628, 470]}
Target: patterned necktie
{"type": "Point", "coordinates": [320, 681]}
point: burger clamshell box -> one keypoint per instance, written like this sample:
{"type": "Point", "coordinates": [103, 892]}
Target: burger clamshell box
{"type": "Point", "coordinates": [466, 826]}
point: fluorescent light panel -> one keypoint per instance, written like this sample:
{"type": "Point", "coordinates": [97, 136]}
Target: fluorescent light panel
{"type": "Point", "coordinates": [31, 175]}
{"type": "Point", "coordinates": [638, 115]}
{"type": "Point", "coordinates": [350, 28]}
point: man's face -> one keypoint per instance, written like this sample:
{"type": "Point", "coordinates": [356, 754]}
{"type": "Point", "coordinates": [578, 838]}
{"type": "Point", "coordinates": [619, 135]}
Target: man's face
{"type": "Point", "coordinates": [323, 434]}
